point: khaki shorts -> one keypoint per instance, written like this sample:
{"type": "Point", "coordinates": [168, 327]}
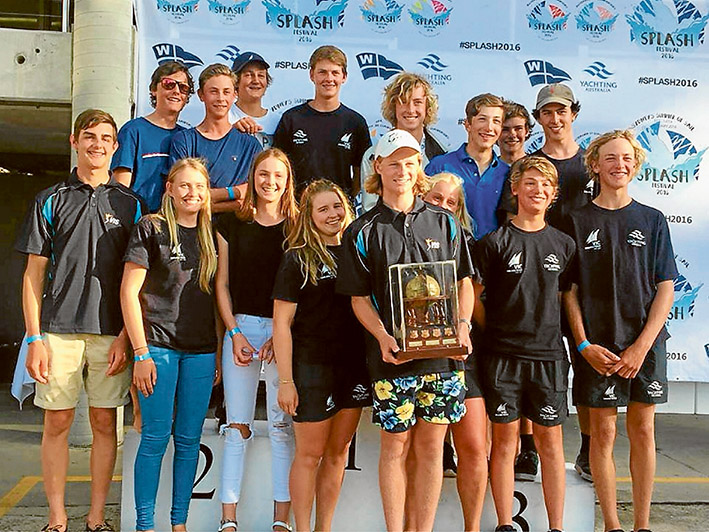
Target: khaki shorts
{"type": "Point", "coordinates": [76, 360]}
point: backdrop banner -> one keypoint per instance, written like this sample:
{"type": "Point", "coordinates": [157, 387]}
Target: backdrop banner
{"type": "Point", "coordinates": [639, 64]}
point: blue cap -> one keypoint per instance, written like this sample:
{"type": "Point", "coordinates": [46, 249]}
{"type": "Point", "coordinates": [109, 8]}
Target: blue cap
{"type": "Point", "coordinates": [245, 58]}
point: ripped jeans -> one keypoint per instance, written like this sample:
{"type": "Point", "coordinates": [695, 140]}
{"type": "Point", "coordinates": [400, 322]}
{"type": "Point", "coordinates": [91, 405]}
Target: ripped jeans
{"type": "Point", "coordinates": [240, 387]}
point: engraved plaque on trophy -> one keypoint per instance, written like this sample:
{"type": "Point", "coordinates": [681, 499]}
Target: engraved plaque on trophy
{"type": "Point", "coordinates": [424, 305]}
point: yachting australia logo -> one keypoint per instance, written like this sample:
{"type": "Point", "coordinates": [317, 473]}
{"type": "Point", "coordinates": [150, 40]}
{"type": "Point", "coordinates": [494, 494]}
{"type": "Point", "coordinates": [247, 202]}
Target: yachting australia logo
{"type": "Point", "coordinates": [381, 15]}
{"type": "Point", "coordinates": [229, 53]}
{"type": "Point", "coordinates": [307, 18]}
{"type": "Point", "coordinates": [430, 16]}
{"type": "Point", "coordinates": [667, 27]}
{"type": "Point", "coordinates": [685, 293]}
{"type": "Point", "coordinates": [601, 78]}
{"type": "Point", "coordinates": [548, 18]}
{"type": "Point", "coordinates": [636, 238]}
{"type": "Point", "coordinates": [542, 72]}
{"type": "Point", "coordinates": [178, 11]}
{"type": "Point", "coordinates": [672, 158]}
{"type": "Point", "coordinates": [596, 19]}
{"type": "Point", "coordinates": [548, 413]}
{"type": "Point", "coordinates": [551, 263]}
{"type": "Point", "coordinates": [435, 69]}
{"type": "Point", "coordinates": [165, 52]}
{"type": "Point", "coordinates": [229, 11]}
{"type": "Point", "coordinates": [373, 65]}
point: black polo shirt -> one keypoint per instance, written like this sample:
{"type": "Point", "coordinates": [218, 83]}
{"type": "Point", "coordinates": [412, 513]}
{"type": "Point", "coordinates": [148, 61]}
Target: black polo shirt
{"type": "Point", "coordinates": [84, 232]}
{"type": "Point", "coordinates": [382, 237]}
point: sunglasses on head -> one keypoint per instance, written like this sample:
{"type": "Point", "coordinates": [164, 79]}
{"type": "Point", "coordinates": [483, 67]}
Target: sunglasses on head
{"type": "Point", "coordinates": [169, 84]}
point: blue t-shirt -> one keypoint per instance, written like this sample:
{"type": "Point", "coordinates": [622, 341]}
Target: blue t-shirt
{"type": "Point", "coordinates": [143, 148]}
{"type": "Point", "coordinates": [228, 159]}
{"type": "Point", "coordinates": [482, 193]}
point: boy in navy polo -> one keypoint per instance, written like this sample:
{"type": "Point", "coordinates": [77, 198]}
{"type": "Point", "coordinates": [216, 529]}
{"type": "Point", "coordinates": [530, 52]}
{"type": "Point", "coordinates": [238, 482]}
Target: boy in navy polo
{"type": "Point", "coordinates": [141, 160]}
{"type": "Point", "coordinates": [482, 171]}
{"type": "Point", "coordinates": [323, 138]}
{"type": "Point", "coordinates": [74, 236]}
{"type": "Point", "coordinates": [524, 369]}
{"type": "Point", "coordinates": [414, 401]}
{"type": "Point", "coordinates": [621, 295]}
{"type": "Point", "coordinates": [228, 152]}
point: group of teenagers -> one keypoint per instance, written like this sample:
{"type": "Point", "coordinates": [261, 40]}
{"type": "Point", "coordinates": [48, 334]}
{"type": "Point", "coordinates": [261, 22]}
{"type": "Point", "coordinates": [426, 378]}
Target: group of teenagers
{"type": "Point", "coordinates": [230, 252]}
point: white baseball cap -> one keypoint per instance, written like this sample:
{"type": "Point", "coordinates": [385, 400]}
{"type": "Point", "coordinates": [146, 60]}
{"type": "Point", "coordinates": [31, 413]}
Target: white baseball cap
{"type": "Point", "coordinates": [393, 140]}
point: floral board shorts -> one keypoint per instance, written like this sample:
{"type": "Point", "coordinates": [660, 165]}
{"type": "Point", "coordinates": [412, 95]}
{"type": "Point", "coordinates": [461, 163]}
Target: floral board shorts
{"type": "Point", "coordinates": [401, 401]}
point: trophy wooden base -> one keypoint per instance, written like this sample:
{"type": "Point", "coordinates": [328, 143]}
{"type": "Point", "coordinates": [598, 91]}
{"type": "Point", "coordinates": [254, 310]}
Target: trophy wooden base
{"type": "Point", "coordinates": [432, 352]}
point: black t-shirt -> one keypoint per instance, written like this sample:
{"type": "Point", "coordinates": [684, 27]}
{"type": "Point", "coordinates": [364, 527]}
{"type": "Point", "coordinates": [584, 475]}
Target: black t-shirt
{"type": "Point", "coordinates": [255, 251]}
{"type": "Point", "coordinates": [522, 273]}
{"type": "Point", "coordinates": [84, 232]}
{"type": "Point", "coordinates": [323, 145]}
{"type": "Point", "coordinates": [576, 188]}
{"type": "Point", "coordinates": [324, 329]}
{"type": "Point", "coordinates": [382, 237]}
{"type": "Point", "coordinates": [177, 314]}
{"type": "Point", "coordinates": [622, 255]}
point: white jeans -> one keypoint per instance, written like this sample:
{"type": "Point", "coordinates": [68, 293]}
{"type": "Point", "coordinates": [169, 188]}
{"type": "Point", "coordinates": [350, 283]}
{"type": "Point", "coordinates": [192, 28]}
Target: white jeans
{"type": "Point", "coordinates": [240, 387]}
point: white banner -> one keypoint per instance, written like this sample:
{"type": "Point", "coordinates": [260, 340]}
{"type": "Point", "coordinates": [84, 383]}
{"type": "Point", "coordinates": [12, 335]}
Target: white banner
{"type": "Point", "coordinates": [635, 63]}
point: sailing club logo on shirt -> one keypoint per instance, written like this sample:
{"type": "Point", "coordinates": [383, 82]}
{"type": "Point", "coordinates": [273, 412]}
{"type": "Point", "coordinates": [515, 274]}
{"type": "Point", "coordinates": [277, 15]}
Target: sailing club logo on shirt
{"type": "Point", "coordinates": [592, 242]}
{"type": "Point", "coordinates": [360, 393]}
{"type": "Point", "coordinates": [609, 394]}
{"type": "Point", "coordinates": [667, 27]}
{"type": "Point", "coordinates": [654, 389]}
{"type": "Point", "coordinates": [548, 18]}
{"type": "Point", "coordinates": [300, 137]}
{"type": "Point", "coordinates": [636, 238]}
{"type": "Point", "coordinates": [177, 254]}
{"type": "Point", "coordinates": [548, 413]}
{"type": "Point", "coordinates": [110, 219]}
{"type": "Point", "coordinates": [502, 411]}
{"type": "Point", "coordinates": [381, 15]}
{"type": "Point", "coordinates": [346, 141]}
{"type": "Point", "coordinates": [551, 263]}
{"type": "Point", "coordinates": [432, 244]}
{"type": "Point", "coordinates": [589, 189]}
{"type": "Point", "coordinates": [178, 11]}
{"type": "Point", "coordinates": [324, 272]}
{"type": "Point", "coordinates": [330, 403]}
{"type": "Point", "coordinates": [515, 263]}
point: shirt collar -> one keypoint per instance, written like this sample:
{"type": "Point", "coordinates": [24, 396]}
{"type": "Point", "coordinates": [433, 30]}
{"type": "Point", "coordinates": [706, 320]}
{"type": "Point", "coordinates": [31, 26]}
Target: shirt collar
{"type": "Point", "coordinates": [391, 214]}
{"type": "Point", "coordinates": [75, 182]}
{"type": "Point", "coordinates": [463, 156]}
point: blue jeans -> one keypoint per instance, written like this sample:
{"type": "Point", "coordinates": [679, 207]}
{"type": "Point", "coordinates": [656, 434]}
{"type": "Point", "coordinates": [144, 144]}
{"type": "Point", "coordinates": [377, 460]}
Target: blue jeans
{"type": "Point", "coordinates": [183, 387]}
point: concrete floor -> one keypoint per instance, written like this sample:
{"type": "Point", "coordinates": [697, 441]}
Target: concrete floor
{"type": "Point", "coordinates": [680, 502]}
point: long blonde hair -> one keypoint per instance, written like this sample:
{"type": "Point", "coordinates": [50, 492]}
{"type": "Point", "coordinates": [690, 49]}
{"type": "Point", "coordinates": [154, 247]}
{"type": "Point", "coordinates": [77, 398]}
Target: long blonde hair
{"type": "Point", "coordinates": [205, 238]}
{"type": "Point", "coordinates": [287, 204]}
{"type": "Point", "coordinates": [306, 240]}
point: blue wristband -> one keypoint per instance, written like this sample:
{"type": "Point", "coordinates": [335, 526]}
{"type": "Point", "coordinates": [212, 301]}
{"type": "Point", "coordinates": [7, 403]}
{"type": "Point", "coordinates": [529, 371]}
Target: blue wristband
{"type": "Point", "coordinates": [139, 358]}
{"type": "Point", "coordinates": [230, 191]}
{"type": "Point", "coordinates": [234, 332]}
{"type": "Point", "coordinates": [34, 338]}
{"type": "Point", "coordinates": [583, 345]}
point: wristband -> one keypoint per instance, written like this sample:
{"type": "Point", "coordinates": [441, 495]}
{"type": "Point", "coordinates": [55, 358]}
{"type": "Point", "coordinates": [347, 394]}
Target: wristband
{"type": "Point", "coordinates": [230, 191]}
{"type": "Point", "coordinates": [286, 381]}
{"type": "Point", "coordinates": [583, 345]}
{"type": "Point", "coordinates": [467, 322]}
{"type": "Point", "coordinates": [139, 358]}
{"type": "Point", "coordinates": [34, 338]}
{"type": "Point", "coordinates": [234, 332]}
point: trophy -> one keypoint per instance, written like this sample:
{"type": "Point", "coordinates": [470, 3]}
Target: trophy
{"type": "Point", "coordinates": [424, 305]}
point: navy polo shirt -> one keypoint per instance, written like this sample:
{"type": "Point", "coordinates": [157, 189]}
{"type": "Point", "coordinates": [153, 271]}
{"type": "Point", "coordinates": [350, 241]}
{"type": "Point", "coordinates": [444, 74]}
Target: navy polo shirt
{"type": "Point", "coordinates": [84, 232]}
{"type": "Point", "coordinates": [382, 237]}
{"type": "Point", "coordinates": [228, 158]}
{"type": "Point", "coordinates": [482, 193]}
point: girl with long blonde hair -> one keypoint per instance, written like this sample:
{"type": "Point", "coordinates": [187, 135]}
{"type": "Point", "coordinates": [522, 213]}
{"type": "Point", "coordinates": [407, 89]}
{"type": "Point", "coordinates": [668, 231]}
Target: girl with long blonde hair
{"type": "Point", "coordinates": [250, 243]}
{"type": "Point", "coordinates": [319, 347]}
{"type": "Point", "coordinates": [168, 309]}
